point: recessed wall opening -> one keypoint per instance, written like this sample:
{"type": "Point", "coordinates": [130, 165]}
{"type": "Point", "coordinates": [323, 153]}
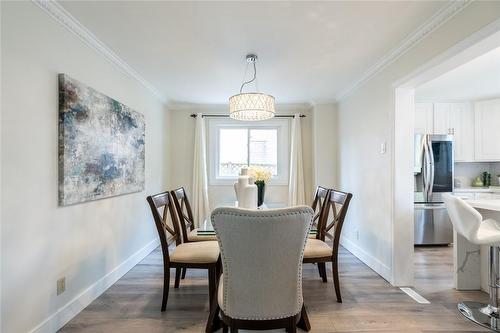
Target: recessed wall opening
{"type": "Point", "coordinates": [441, 113]}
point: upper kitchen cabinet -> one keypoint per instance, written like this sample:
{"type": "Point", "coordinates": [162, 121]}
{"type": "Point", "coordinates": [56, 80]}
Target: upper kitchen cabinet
{"type": "Point", "coordinates": [487, 119]}
{"type": "Point", "coordinates": [456, 119]}
{"type": "Point", "coordinates": [423, 118]}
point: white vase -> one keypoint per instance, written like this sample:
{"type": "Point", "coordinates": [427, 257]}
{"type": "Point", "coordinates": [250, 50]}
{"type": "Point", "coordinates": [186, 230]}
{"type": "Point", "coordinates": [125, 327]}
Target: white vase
{"type": "Point", "coordinates": [246, 191]}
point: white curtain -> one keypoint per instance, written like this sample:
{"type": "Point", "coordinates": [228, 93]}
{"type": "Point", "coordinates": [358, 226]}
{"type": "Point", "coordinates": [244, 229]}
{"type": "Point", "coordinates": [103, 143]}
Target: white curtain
{"type": "Point", "coordinates": [200, 205]}
{"type": "Point", "coordinates": [296, 188]}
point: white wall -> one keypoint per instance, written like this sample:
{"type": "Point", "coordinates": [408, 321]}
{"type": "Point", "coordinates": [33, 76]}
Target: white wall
{"type": "Point", "coordinates": [366, 120]}
{"type": "Point", "coordinates": [1, 171]}
{"type": "Point", "coordinates": [325, 137]}
{"type": "Point", "coordinates": [182, 145]}
{"type": "Point", "coordinates": [41, 242]}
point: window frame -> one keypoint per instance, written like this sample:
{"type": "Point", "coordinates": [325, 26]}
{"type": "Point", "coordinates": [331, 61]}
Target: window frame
{"type": "Point", "coordinates": [282, 125]}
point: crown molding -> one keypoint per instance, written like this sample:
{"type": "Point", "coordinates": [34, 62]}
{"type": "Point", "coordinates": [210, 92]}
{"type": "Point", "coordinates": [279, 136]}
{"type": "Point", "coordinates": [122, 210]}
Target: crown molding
{"type": "Point", "coordinates": [62, 16]}
{"type": "Point", "coordinates": [434, 22]}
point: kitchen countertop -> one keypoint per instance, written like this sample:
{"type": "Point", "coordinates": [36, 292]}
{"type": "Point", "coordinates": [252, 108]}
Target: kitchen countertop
{"type": "Point", "coordinates": [489, 204]}
{"type": "Point", "coordinates": [491, 189]}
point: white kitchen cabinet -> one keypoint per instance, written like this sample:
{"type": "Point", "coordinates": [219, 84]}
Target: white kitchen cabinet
{"type": "Point", "coordinates": [443, 119]}
{"type": "Point", "coordinates": [456, 119]}
{"type": "Point", "coordinates": [487, 122]}
{"type": "Point", "coordinates": [424, 118]}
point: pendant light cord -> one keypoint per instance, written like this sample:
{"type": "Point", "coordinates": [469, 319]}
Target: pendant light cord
{"type": "Point", "coordinates": [253, 79]}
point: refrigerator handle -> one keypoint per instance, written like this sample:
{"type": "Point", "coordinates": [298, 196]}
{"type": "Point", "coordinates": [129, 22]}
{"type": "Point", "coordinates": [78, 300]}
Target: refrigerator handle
{"type": "Point", "coordinates": [424, 166]}
{"type": "Point", "coordinates": [432, 170]}
{"type": "Point", "coordinates": [425, 169]}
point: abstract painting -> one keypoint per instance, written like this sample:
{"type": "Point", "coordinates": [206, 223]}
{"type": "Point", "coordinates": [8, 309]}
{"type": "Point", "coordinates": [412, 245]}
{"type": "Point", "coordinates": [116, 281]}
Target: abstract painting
{"type": "Point", "coordinates": [101, 145]}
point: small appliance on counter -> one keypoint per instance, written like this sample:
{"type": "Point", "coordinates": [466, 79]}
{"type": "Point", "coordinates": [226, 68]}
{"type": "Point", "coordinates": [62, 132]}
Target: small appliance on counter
{"type": "Point", "coordinates": [433, 171]}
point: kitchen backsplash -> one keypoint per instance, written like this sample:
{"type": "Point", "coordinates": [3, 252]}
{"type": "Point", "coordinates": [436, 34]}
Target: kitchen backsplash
{"type": "Point", "coordinates": [466, 172]}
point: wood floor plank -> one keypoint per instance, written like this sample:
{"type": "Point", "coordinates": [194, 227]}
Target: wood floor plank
{"type": "Point", "coordinates": [370, 304]}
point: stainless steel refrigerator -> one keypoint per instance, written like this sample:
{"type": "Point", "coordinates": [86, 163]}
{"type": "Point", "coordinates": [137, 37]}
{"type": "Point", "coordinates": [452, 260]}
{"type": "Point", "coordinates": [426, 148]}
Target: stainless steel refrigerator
{"type": "Point", "coordinates": [433, 172]}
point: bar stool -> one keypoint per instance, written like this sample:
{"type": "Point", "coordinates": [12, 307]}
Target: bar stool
{"type": "Point", "coordinates": [469, 223]}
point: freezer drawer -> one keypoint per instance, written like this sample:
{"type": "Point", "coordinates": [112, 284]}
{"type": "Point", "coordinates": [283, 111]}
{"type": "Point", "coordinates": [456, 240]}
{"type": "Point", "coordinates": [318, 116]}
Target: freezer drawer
{"type": "Point", "coordinates": [432, 225]}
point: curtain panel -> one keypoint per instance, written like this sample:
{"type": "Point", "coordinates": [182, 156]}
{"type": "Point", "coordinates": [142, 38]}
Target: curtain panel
{"type": "Point", "coordinates": [296, 188]}
{"type": "Point", "coordinates": [200, 204]}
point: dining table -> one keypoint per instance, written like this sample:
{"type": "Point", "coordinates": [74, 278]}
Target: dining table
{"type": "Point", "coordinates": [206, 228]}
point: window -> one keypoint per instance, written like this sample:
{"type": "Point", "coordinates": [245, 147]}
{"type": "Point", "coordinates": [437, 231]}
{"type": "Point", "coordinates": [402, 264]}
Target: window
{"type": "Point", "coordinates": [234, 144]}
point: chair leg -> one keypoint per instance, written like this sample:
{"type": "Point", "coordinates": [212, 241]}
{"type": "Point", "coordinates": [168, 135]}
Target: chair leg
{"type": "Point", "coordinates": [211, 284]}
{"type": "Point", "coordinates": [336, 282]}
{"type": "Point", "coordinates": [292, 327]}
{"type": "Point", "coordinates": [218, 269]}
{"type": "Point", "coordinates": [304, 320]}
{"type": "Point", "coordinates": [166, 285]}
{"type": "Point", "coordinates": [177, 277]}
{"type": "Point", "coordinates": [183, 276]}
{"type": "Point", "coordinates": [213, 322]}
{"type": "Point", "coordinates": [322, 265]}
{"type": "Point", "coordinates": [225, 329]}
{"type": "Point", "coordinates": [233, 329]}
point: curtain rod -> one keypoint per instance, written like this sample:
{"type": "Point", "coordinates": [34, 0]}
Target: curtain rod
{"type": "Point", "coordinates": [193, 115]}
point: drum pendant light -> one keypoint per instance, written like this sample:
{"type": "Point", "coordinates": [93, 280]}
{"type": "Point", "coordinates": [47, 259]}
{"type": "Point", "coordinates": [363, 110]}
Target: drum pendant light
{"type": "Point", "coordinates": [251, 106]}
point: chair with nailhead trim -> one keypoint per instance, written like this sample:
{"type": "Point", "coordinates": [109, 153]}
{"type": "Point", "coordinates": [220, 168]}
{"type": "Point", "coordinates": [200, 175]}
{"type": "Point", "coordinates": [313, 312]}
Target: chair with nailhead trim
{"type": "Point", "coordinates": [261, 252]}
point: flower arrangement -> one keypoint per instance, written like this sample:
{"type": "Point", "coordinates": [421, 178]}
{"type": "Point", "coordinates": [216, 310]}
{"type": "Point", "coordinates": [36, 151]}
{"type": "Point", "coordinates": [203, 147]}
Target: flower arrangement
{"type": "Point", "coordinates": [261, 177]}
{"type": "Point", "coordinates": [259, 174]}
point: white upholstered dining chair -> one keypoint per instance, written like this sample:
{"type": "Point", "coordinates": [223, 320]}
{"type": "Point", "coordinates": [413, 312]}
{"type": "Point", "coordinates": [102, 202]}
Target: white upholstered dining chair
{"type": "Point", "coordinates": [261, 252]}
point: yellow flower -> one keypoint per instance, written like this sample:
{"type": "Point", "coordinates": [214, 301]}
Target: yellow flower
{"type": "Point", "coordinates": [260, 174]}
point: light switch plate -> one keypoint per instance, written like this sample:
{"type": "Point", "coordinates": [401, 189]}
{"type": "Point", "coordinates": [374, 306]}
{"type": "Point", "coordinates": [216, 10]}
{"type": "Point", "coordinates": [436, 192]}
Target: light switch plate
{"type": "Point", "coordinates": [383, 148]}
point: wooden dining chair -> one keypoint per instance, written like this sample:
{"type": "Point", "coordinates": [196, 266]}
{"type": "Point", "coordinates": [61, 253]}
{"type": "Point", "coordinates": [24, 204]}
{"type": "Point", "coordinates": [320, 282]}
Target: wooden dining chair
{"type": "Point", "coordinates": [317, 250]}
{"type": "Point", "coordinates": [185, 215]}
{"type": "Point", "coordinates": [320, 198]}
{"type": "Point", "coordinates": [202, 255]}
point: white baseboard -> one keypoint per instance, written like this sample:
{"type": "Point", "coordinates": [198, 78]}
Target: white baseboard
{"type": "Point", "coordinates": [72, 308]}
{"type": "Point", "coordinates": [372, 262]}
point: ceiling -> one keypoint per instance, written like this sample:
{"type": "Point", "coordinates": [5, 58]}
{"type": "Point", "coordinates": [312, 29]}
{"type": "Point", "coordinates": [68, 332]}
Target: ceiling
{"type": "Point", "coordinates": [474, 80]}
{"type": "Point", "coordinates": [308, 51]}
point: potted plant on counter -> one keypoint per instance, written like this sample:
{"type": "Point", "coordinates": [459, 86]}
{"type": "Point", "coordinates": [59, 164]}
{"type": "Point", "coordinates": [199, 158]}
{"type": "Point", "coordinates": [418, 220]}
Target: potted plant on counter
{"type": "Point", "coordinates": [261, 177]}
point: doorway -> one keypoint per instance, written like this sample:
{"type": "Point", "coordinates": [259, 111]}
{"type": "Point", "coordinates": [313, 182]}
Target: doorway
{"type": "Point", "coordinates": [403, 260]}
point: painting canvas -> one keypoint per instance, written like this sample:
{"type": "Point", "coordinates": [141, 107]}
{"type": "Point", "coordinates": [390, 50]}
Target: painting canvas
{"type": "Point", "coordinates": [101, 145]}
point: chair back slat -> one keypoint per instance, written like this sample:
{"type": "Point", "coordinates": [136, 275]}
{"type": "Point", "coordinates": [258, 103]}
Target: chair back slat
{"type": "Point", "coordinates": [161, 208]}
{"type": "Point", "coordinates": [320, 198]}
{"type": "Point", "coordinates": [336, 206]}
{"type": "Point", "coordinates": [184, 212]}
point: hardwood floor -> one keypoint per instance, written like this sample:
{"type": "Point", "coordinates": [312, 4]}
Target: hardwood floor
{"type": "Point", "coordinates": [433, 270]}
{"type": "Point", "coordinates": [370, 303]}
